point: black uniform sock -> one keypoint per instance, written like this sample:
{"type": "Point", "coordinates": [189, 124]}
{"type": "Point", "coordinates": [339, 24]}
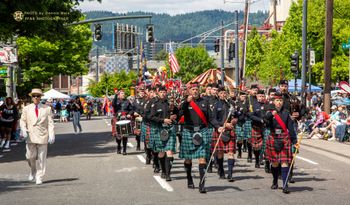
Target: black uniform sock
{"type": "Point", "coordinates": [148, 155]}
{"type": "Point", "coordinates": [155, 160]}
{"type": "Point", "coordinates": [257, 156]}
{"type": "Point", "coordinates": [250, 150]}
{"type": "Point", "coordinates": [162, 164]}
{"type": "Point", "coordinates": [284, 175]}
{"type": "Point", "coordinates": [244, 145]}
{"type": "Point", "coordinates": [125, 142]}
{"type": "Point", "coordinates": [274, 171]}
{"type": "Point", "coordinates": [202, 168]}
{"type": "Point", "coordinates": [168, 165]}
{"type": "Point", "coordinates": [239, 145]}
{"type": "Point", "coordinates": [221, 167]}
{"type": "Point", "coordinates": [230, 165]}
{"type": "Point", "coordinates": [188, 169]}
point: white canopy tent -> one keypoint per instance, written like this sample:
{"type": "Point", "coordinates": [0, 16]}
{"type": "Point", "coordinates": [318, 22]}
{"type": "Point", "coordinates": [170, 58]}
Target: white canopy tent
{"type": "Point", "coordinates": [54, 94]}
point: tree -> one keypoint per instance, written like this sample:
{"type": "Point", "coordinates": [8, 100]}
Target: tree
{"type": "Point", "coordinates": [192, 61]}
{"type": "Point", "coordinates": [161, 55]}
{"type": "Point", "coordinates": [40, 59]}
{"type": "Point", "coordinates": [108, 82]}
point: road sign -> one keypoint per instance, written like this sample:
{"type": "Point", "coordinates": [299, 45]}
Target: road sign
{"type": "Point", "coordinates": [3, 71]}
{"type": "Point", "coordinates": [345, 46]}
{"type": "Point", "coordinates": [312, 57]}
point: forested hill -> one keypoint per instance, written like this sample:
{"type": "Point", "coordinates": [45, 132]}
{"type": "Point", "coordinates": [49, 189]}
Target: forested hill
{"type": "Point", "coordinates": [178, 27]}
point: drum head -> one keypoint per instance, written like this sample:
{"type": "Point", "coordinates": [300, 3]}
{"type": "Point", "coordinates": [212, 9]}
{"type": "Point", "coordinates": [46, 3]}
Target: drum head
{"type": "Point", "coordinates": [197, 138]}
{"type": "Point", "coordinates": [123, 122]}
{"type": "Point", "coordinates": [138, 119]}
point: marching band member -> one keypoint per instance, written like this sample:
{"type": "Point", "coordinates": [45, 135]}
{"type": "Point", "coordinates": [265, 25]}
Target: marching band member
{"type": "Point", "coordinates": [212, 100]}
{"type": "Point", "coordinates": [138, 107]}
{"type": "Point", "coordinates": [227, 142]}
{"type": "Point", "coordinates": [280, 141]}
{"type": "Point", "coordinates": [123, 110]}
{"type": "Point", "coordinates": [196, 138]}
{"type": "Point", "coordinates": [243, 106]}
{"type": "Point", "coordinates": [258, 125]}
{"type": "Point", "coordinates": [248, 124]}
{"type": "Point", "coordinates": [164, 139]}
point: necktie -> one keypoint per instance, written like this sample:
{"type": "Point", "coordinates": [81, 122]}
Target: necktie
{"type": "Point", "coordinates": [36, 111]}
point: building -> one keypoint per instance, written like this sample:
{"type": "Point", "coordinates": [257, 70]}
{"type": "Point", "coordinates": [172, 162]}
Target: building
{"type": "Point", "coordinates": [282, 12]}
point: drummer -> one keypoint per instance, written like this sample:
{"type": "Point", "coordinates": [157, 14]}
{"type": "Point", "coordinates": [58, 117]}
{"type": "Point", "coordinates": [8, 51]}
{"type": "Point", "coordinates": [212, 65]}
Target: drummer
{"type": "Point", "coordinates": [123, 111]}
{"type": "Point", "coordinates": [138, 107]}
{"type": "Point", "coordinates": [163, 138]}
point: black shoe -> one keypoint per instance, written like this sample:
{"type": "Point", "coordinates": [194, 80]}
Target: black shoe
{"type": "Point", "coordinates": [257, 165]}
{"type": "Point", "coordinates": [291, 180]}
{"type": "Point", "coordinates": [230, 179]}
{"type": "Point", "coordinates": [190, 186]}
{"type": "Point", "coordinates": [286, 190]}
{"type": "Point", "coordinates": [222, 177]}
{"type": "Point", "coordinates": [162, 175]}
{"type": "Point", "coordinates": [274, 186]}
{"type": "Point", "coordinates": [156, 170]}
{"type": "Point", "coordinates": [202, 190]}
{"type": "Point", "coordinates": [138, 148]}
{"type": "Point", "coordinates": [168, 178]}
{"type": "Point", "coordinates": [249, 160]}
{"type": "Point", "coordinates": [119, 151]}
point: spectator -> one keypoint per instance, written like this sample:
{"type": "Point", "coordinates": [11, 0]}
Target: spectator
{"type": "Point", "coordinates": [9, 116]}
{"type": "Point", "coordinates": [64, 114]}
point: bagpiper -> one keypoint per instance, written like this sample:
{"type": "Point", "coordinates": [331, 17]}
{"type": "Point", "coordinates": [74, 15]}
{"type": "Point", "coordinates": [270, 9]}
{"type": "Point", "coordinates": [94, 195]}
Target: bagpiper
{"type": "Point", "coordinates": [138, 107]}
{"type": "Point", "coordinates": [282, 137]}
{"type": "Point", "coordinates": [196, 139]}
{"type": "Point", "coordinates": [163, 139]}
{"type": "Point", "coordinates": [243, 107]}
{"type": "Point", "coordinates": [248, 124]}
{"type": "Point", "coordinates": [222, 120]}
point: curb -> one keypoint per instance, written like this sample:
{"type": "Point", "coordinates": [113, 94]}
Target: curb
{"type": "Point", "coordinates": [327, 150]}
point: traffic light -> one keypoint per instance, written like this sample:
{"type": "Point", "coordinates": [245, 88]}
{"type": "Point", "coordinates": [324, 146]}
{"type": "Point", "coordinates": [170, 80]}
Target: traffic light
{"type": "Point", "coordinates": [294, 62]}
{"type": "Point", "coordinates": [149, 33]}
{"type": "Point", "coordinates": [231, 51]}
{"type": "Point", "coordinates": [98, 32]}
{"type": "Point", "coordinates": [217, 45]}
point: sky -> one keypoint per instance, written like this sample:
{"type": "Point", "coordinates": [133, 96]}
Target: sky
{"type": "Point", "coordinates": [171, 7]}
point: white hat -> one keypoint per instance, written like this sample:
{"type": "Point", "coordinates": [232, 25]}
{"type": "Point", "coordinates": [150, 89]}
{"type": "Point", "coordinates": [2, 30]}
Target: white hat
{"type": "Point", "coordinates": [334, 107]}
{"type": "Point", "coordinates": [36, 91]}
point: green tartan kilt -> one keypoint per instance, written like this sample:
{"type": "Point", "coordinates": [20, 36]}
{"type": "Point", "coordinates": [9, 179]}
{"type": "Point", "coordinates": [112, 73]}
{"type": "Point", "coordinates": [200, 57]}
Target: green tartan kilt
{"type": "Point", "coordinates": [239, 133]}
{"type": "Point", "coordinates": [145, 133]}
{"type": "Point", "coordinates": [190, 151]}
{"type": "Point", "coordinates": [158, 145]}
{"type": "Point", "coordinates": [247, 128]}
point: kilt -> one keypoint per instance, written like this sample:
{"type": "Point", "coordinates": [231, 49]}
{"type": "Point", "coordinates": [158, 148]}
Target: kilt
{"type": "Point", "coordinates": [266, 134]}
{"type": "Point", "coordinates": [229, 147]}
{"type": "Point", "coordinates": [190, 151]}
{"type": "Point", "coordinates": [257, 139]}
{"type": "Point", "coordinates": [247, 128]}
{"type": "Point", "coordinates": [145, 133]}
{"type": "Point", "coordinates": [158, 145]}
{"type": "Point", "coordinates": [239, 133]}
{"type": "Point", "coordinates": [285, 155]}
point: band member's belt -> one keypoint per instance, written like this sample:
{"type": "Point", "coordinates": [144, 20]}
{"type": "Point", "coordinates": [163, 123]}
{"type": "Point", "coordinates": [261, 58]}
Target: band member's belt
{"type": "Point", "coordinates": [194, 128]}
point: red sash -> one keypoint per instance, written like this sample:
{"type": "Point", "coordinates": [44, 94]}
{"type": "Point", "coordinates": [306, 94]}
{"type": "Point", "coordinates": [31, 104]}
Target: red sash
{"type": "Point", "coordinates": [199, 112]}
{"type": "Point", "coordinates": [281, 123]}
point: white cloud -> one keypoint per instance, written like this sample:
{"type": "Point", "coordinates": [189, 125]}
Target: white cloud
{"type": "Point", "coordinates": [172, 7]}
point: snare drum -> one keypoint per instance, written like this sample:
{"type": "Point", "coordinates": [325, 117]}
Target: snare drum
{"type": "Point", "coordinates": [124, 127]}
{"type": "Point", "coordinates": [138, 121]}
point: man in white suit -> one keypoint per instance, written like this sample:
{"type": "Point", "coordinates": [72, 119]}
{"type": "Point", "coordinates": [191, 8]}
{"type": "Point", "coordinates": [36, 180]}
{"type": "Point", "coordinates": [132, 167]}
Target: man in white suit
{"type": "Point", "coordinates": [38, 128]}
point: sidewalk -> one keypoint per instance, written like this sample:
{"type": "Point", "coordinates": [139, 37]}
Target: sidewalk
{"type": "Point", "coordinates": [341, 149]}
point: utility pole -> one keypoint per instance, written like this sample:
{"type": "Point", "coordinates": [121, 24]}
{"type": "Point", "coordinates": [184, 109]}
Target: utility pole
{"type": "Point", "coordinates": [275, 14]}
{"type": "Point", "coordinates": [222, 54]}
{"type": "Point", "coordinates": [97, 68]}
{"type": "Point", "coordinates": [304, 53]}
{"type": "Point", "coordinates": [245, 31]}
{"type": "Point", "coordinates": [236, 50]}
{"type": "Point", "coordinates": [328, 55]}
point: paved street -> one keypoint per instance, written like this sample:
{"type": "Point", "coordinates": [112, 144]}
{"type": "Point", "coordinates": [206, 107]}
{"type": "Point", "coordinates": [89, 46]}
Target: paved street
{"type": "Point", "coordinates": [85, 169]}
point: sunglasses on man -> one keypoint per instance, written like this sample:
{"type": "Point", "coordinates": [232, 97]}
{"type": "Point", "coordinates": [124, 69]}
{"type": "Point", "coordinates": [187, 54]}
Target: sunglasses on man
{"type": "Point", "coordinates": [36, 96]}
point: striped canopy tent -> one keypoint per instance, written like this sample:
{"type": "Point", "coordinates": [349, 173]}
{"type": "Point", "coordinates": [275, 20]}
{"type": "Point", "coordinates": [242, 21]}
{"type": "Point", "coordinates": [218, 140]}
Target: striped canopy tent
{"type": "Point", "coordinates": [212, 76]}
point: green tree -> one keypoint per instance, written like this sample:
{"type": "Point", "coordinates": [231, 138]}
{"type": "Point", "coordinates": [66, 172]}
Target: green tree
{"type": "Point", "coordinates": [161, 55]}
{"type": "Point", "coordinates": [40, 59]}
{"type": "Point", "coordinates": [108, 82]}
{"type": "Point", "coordinates": [192, 61]}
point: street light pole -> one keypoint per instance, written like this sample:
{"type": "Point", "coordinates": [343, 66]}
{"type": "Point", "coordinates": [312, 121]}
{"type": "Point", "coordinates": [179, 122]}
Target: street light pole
{"type": "Point", "coordinates": [304, 53]}
{"type": "Point", "coordinates": [97, 69]}
{"type": "Point", "coordinates": [222, 54]}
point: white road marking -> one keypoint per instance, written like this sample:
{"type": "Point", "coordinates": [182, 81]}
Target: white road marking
{"type": "Point", "coordinates": [307, 160]}
{"type": "Point", "coordinates": [127, 169]}
{"type": "Point", "coordinates": [163, 183]}
{"type": "Point", "coordinates": [130, 145]}
{"type": "Point", "coordinates": [142, 159]}
{"type": "Point", "coordinates": [328, 155]}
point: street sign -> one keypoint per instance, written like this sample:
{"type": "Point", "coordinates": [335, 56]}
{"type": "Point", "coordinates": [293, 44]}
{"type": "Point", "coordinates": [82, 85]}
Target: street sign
{"type": "Point", "coordinates": [3, 71]}
{"type": "Point", "coordinates": [345, 46]}
{"type": "Point", "coordinates": [312, 57]}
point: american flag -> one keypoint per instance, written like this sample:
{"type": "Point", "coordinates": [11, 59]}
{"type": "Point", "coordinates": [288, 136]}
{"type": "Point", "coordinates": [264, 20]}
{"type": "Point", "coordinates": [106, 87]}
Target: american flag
{"type": "Point", "coordinates": [174, 65]}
